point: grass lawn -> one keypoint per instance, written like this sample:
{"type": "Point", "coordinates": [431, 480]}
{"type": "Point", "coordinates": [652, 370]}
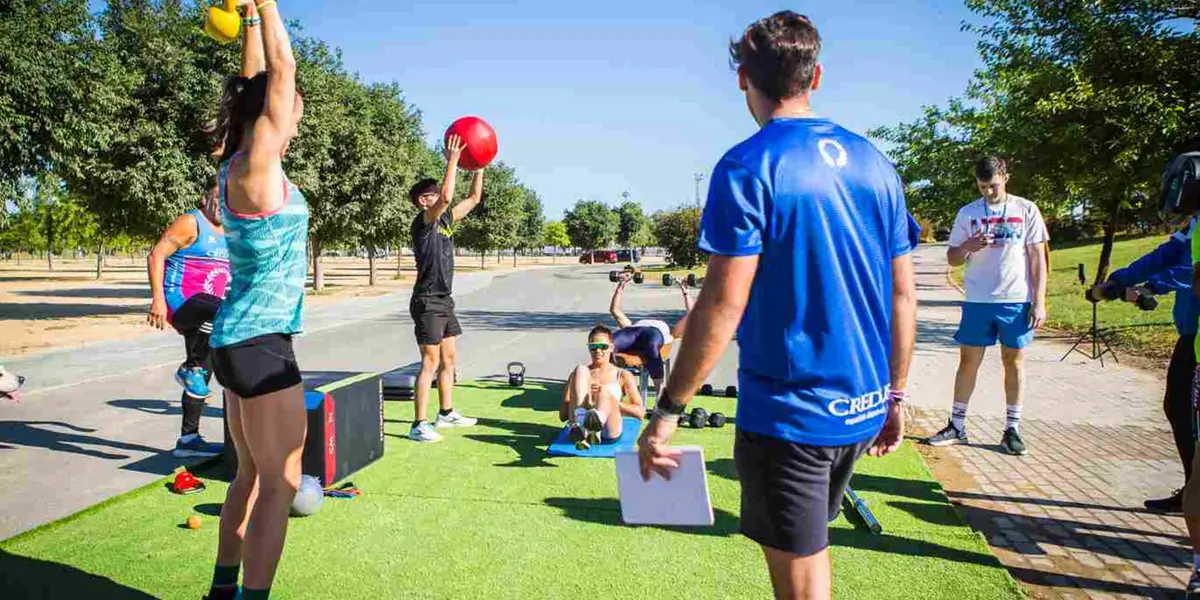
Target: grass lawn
{"type": "Point", "coordinates": [1129, 329]}
{"type": "Point", "coordinates": [486, 514]}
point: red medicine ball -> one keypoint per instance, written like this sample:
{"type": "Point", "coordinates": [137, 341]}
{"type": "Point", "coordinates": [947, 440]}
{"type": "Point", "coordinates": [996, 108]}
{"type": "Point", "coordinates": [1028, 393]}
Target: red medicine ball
{"type": "Point", "coordinates": [480, 139]}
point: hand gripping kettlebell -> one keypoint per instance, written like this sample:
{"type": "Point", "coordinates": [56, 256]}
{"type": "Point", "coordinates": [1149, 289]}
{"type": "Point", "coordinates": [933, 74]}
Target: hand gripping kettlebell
{"type": "Point", "coordinates": [223, 23]}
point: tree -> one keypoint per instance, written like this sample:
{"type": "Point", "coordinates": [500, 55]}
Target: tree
{"type": "Point", "coordinates": [644, 237]}
{"type": "Point", "coordinates": [632, 221]}
{"type": "Point", "coordinates": [555, 236]}
{"type": "Point", "coordinates": [591, 225]}
{"type": "Point", "coordinates": [495, 223]}
{"type": "Point", "coordinates": [678, 232]}
{"type": "Point", "coordinates": [530, 230]}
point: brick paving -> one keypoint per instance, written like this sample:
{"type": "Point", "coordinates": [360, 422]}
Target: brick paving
{"type": "Point", "coordinates": [1066, 520]}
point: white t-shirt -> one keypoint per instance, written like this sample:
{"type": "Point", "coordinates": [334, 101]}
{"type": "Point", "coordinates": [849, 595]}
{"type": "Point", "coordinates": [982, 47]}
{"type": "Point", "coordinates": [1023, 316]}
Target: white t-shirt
{"type": "Point", "coordinates": [998, 273]}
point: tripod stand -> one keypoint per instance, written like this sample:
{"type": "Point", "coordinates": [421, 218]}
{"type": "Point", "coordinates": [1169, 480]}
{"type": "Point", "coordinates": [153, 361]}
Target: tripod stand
{"type": "Point", "coordinates": [1098, 338]}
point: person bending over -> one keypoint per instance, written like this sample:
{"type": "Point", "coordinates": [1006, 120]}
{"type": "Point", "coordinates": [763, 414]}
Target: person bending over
{"type": "Point", "coordinates": [645, 338]}
{"type": "Point", "coordinates": [593, 397]}
{"type": "Point", "coordinates": [189, 271]}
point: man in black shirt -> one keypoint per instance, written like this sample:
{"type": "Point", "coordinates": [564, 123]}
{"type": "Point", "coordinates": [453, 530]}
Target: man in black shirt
{"type": "Point", "coordinates": [432, 307]}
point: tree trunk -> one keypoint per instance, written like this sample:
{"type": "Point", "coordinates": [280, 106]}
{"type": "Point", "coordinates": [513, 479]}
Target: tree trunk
{"type": "Point", "coordinates": [514, 258]}
{"type": "Point", "coordinates": [317, 268]}
{"type": "Point", "coordinates": [399, 263]}
{"type": "Point", "coordinates": [1110, 232]}
{"type": "Point", "coordinates": [49, 260]}
{"type": "Point", "coordinates": [482, 257]}
{"type": "Point", "coordinates": [100, 261]}
{"type": "Point", "coordinates": [371, 266]}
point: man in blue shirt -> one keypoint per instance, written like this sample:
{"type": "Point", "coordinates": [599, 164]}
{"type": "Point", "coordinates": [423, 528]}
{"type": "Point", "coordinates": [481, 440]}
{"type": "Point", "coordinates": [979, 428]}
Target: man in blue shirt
{"type": "Point", "coordinates": [1168, 269]}
{"type": "Point", "coordinates": [809, 236]}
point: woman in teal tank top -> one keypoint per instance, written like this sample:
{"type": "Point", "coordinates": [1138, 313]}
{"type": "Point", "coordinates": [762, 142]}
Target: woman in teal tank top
{"type": "Point", "coordinates": [266, 229]}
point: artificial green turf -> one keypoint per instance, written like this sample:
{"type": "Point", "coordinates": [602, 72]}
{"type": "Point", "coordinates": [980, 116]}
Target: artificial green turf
{"type": "Point", "coordinates": [486, 514]}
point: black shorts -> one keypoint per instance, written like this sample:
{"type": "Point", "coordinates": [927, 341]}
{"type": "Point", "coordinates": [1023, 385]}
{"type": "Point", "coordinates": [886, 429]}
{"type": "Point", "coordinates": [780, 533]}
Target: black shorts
{"type": "Point", "coordinates": [433, 318]}
{"type": "Point", "coordinates": [257, 366]}
{"type": "Point", "coordinates": [790, 492]}
{"type": "Point", "coordinates": [195, 312]}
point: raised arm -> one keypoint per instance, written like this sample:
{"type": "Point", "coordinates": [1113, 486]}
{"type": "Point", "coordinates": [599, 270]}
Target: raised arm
{"type": "Point", "coordinates": [614, 307]}
{"type": "Point", "coordinates": [181, 234]}
{"type": "Point", "coordinates": [681, 325]}
{"type": "Point", "coordinates": [464, 208]}
{"type": "Point", "coordinates": [274, 126]}
{"type": "Point", "coordinates": [454, 148]}
{"type": "Point", "coordinates": [254, 60]}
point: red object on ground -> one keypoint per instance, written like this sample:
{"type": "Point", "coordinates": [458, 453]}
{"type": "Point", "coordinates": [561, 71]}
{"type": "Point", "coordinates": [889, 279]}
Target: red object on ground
{"type": "Point", "coordinates": [480, 139]}
{"type": "Point", "coordinates": [186, 483]}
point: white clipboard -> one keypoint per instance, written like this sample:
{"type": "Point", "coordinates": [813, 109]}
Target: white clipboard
{"type": "Point", "coordinates": [683, 500]}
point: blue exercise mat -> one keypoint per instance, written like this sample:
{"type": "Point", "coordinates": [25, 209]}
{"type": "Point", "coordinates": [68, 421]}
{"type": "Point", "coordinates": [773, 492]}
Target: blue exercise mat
{"type": "Point", "coordinates": [629, 434]}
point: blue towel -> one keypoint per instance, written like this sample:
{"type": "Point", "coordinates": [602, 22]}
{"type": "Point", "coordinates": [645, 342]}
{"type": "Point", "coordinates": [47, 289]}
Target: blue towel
{"type": "Point", "coordinates": [629, 434]}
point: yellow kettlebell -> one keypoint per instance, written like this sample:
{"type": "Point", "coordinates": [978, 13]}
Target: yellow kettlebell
{"type": "Point", "coordinates": [223, 23]}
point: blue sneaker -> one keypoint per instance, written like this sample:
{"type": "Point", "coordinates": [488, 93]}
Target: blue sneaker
{"type": "Point", "coordinates": [194, 446]}
{"type": "Point", "coordinates": [194, 381]}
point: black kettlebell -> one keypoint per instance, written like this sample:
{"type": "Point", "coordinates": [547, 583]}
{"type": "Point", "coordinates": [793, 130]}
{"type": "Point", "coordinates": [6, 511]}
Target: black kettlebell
{"type": "Point", "coordinates": [716, 420]}
{"type": "Point", "coordinates": [698, 419]}
{"type": "Point", "coordinates": [516, 374]}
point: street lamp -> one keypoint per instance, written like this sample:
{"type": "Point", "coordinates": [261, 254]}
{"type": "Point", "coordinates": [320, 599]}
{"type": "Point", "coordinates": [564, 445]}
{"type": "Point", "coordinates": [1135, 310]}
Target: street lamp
{"type": "Point", "coordinates": [699, 177]}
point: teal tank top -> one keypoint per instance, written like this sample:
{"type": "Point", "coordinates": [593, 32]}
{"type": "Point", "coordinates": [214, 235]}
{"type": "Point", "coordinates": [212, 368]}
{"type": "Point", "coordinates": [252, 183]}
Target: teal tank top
{"type": "Point", "coordinates": [268, 262]}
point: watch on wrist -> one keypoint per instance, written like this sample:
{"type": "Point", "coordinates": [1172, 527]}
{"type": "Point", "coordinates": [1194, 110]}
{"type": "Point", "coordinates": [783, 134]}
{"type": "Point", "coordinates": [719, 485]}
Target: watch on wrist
{"type": "Point", "coordinates": [667, 407]}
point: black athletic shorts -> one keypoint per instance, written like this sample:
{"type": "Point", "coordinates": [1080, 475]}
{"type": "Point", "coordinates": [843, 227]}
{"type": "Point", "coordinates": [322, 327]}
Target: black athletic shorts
{"type": "Point", "coordinates": [195, 311]}
{"type": "Point", "coordinates": [434, 320]}
{"type": "Point", "coordinates": [257, 366]}
{"type": "Point", "coordinates": [790, 492]}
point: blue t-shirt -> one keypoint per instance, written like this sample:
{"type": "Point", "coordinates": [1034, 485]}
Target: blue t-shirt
{"type": "Point", "coordinates": [825, 211]}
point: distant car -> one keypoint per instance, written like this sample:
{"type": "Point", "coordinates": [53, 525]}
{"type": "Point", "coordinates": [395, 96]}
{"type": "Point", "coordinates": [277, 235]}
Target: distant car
{"type": "Point", "coordinates": [629, 256]}
{"type": "Point", "coordinates": [598, 257]}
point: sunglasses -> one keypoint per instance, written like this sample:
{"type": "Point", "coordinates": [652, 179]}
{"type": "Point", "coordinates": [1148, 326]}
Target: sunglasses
{"type": "Point", "coordinates": [597, 346]}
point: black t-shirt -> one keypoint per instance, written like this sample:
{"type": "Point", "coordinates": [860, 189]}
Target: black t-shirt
{"type": "Point", "coordinates": [433, 247]}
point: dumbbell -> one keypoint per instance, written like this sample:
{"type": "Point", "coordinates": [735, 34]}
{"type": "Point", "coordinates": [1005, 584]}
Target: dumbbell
{"type": "Point", "coordinates": [629, 268]}
{"type": "Point", "coordinates": [691, 279]}
{"type": "Point", "coordinates": [698, 419]}
{"type": "Point", "coordinates": [731, 391]}
{"type": "Point", "coordinates": [706, 389]}
{"type": "Point", "coordinates": [613, 276]}
{"type": "Point", "coordinates": [668, 280]}
{"type": "Point", "coordinates": [639, 277]}
{"type": "Point", "coordinates": [716, 420]}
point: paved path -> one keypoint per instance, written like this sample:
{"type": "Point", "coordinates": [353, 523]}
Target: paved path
{"type": "Point", "coordinates": [101, 420]}
{"type": "Point", "coordinates": [1067, 519]}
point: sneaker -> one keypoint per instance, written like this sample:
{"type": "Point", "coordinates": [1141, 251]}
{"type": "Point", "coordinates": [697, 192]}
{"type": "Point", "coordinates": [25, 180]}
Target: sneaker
{"type": "Point", "coordinates": [576, 434]}
{"type": "Point", "coordinates": [453, 420]}
{"type": "Point", "coordinates": [1170, 504]}
{"type": "Point", "coordinates": [424, 433]}
{"type": "Point", "coordinates": [195, 446]}
{"type": "Point", "coordinates": [1012, 443]}
{"type": "Point", "coordinates": [593, 426]}
{"type": "Point", "coordinates": [194, 381]}
{"type": "Point", "coordinates": [948, 436]}
{"type": "Point", "coordinates": [1193, 588]}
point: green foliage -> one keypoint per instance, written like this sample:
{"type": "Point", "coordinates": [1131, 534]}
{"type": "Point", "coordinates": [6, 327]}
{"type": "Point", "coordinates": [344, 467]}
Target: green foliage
{"type": "Point", "coordinates": [645, 236]}
{"type": "Point", "coordinates": [531, 230]}
{"type": "Point", "coordinates": [496, 223]}
{"type": "Point", "coordinates": [632, 222]}
{"type": "Point", "coordinates": [591, 225]}
{"type": "Point", "coordinates": [678, 232]}
{"type": "Point", "coordinates": [555, 235]}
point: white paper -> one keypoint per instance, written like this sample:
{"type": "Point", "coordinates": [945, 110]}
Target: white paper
{"type": "Point", "coordinates": [683, 500]}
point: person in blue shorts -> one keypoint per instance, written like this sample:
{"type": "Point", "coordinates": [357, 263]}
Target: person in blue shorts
{"type": "Point", "coordinates": [1001, 238]}
{"type": "Point", "coordinates": [810, 262]}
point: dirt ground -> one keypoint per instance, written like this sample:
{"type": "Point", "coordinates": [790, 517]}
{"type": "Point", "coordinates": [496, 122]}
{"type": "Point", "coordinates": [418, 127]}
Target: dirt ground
{"type": "Point", "coordinates": [42, 309]}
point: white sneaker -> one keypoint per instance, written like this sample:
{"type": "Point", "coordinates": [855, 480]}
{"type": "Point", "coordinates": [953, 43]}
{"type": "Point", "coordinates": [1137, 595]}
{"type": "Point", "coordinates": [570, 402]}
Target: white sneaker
{"type": "Point", "coordinates": [454, 420]}
{"type": "Point", "coordinates": [424, 433]}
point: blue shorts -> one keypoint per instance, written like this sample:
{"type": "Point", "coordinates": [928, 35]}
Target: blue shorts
{"type": "Point", "coordinates": [983, 324]}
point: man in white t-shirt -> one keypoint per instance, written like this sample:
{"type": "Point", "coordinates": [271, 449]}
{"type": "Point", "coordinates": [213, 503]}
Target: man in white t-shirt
{"type": "Point", "coordinates": [1002, 240]}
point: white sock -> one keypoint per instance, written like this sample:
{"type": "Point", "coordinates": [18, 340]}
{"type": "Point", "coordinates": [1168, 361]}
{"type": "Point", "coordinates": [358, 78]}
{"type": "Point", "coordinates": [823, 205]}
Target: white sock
{"type": "Point", "coordinates": [958, 416]}
{"type": "Point", "coordinates": [1014, 418]}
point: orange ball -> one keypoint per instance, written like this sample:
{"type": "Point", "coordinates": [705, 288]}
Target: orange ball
{"type": "Point", "coordinates": [193, 522]}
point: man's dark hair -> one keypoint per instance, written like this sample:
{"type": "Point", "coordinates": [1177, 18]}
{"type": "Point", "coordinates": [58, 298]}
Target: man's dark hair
{"type": "Point", "coordinates": [600, 329]}
{"type": "Point", "coordinates": [423, 186]}
{"type": "Point", "coordinates": [779, 54]}
{"type": "Point", "coordinates": [989, 167]}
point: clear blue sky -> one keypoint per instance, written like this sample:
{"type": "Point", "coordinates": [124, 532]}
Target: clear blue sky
{"type": "Point", "coordinates": [591, 99]}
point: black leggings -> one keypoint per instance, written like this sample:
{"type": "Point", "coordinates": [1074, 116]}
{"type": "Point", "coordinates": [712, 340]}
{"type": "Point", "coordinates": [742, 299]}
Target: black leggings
{"type": "Point", "coordinates": [1178, 400]}
{"type": "Point", "coordinates": [193, 321]}
{"type": "Point", "coordinates": [645, 343]}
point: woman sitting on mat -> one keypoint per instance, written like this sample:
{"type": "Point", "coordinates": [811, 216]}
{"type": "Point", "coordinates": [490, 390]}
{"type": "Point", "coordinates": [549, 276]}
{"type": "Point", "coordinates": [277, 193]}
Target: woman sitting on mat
{"type": "Point", "coordinates": [645, 338]}
{"type": "Point", "coordinates": [592, 399]}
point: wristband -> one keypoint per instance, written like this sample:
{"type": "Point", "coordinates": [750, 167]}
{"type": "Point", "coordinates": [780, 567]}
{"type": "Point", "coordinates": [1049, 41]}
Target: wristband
{"type": "Point", "coordinates": [251, 21]}
{"type": "Point", "coordinates": [898, 396]}
{"type": "Point", "coordinates": [658, 414]}
{"type": "Point", "coordinates": [665, 406]}
{"type": "Point", "coordinates": [265, 4]}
